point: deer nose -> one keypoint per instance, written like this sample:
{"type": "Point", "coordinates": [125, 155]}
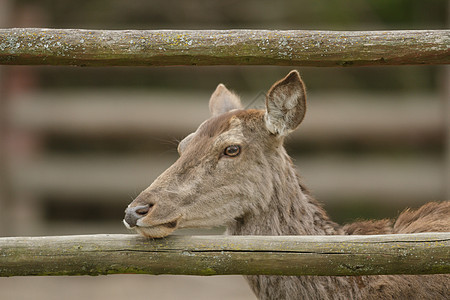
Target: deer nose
{"type": "Point", "coordinates": [133, 214]}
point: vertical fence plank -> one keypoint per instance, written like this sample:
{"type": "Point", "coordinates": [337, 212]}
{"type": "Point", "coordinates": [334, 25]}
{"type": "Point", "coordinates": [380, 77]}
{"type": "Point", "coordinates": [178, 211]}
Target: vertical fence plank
{"type": "Point", "coordinates": [5, 187]}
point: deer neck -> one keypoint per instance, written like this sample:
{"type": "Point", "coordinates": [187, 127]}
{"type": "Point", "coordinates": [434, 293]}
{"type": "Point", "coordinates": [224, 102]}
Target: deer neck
{"type": "Point", "coordinates": [290, 210]}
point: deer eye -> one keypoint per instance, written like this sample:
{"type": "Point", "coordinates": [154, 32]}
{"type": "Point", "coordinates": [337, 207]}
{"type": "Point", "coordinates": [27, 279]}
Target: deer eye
{"type": "Point", "coordinates": [232, 151]}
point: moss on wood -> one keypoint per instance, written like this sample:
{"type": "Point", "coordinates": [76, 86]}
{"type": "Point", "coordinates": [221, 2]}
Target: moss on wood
{"type": "Point", "coordinates": [29, 46]}
{"type": "Point", "coordinates": [214, 255]}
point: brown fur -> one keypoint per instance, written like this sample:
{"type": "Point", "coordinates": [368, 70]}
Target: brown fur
{"type": "Point", "coordinates": [258, 192]}
{"type": "Point", "coordinates": [431, 217]}
{"type": "Point", "coordinates": [369, 227]}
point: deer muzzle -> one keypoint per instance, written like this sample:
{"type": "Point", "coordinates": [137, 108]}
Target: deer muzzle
{"type": "Point", "coordinates": [133, 214]}
{"type": "Point", "coordinates": [141, 219]}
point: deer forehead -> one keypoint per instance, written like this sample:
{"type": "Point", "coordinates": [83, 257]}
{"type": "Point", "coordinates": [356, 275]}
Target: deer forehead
{"type": "Point", "coordinates": [234, 134]}
{"type": "Point", "coordinates": [224, 129]}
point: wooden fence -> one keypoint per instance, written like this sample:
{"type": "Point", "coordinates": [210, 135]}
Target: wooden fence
{"type": "Point", "coordinates": [210, 255]}
{"type": "Point", "coordinates": [423, 253]}
{"type": "Point", "coordinates": [222, 47]}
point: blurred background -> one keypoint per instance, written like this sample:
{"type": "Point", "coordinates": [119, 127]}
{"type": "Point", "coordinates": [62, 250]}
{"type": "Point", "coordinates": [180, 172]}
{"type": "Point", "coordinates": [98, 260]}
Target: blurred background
{"type": "Point", "coordinates": [78, 144]}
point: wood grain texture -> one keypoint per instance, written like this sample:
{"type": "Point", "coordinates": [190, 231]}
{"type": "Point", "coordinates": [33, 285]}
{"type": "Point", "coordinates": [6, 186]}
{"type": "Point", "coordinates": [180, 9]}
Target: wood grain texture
{"type": "Point", "coordinates": [425, 253]}
{"type": "Point", "coordinates": [31, 46]}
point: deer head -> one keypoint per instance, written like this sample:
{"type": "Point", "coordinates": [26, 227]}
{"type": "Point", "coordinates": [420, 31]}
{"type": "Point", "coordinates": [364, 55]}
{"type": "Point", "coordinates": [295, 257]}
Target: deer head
{"type": "Point", "coordinates": [225, 168]}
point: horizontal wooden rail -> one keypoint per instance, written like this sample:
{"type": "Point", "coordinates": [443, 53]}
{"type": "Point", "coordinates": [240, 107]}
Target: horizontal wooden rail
{"type": "Point", "coordinates": [29, 46]}
{"type": "Point", "coordinates": [344, 115]}
{"type": "Point", "coordinates": [426, 253]}
{"type": "Point", "coordinates": [113, 178]}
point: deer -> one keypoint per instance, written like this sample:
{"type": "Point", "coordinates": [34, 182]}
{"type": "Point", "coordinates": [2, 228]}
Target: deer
{"type": "Point", "coordinates": [234, 171]}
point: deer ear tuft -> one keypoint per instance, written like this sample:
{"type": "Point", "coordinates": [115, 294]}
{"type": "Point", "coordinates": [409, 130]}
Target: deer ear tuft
{"type": "Point", "coordinates": [222, 101]}
{"type": "Point", "coordinates": [285, 105]}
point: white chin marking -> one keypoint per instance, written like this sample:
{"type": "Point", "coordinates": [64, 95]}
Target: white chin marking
{"type": "Point", "coordinates": [126, 224]}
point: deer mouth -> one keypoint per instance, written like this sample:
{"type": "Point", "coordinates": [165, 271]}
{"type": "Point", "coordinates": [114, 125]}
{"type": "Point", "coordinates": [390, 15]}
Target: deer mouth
{"type": "Point", "coordinates": [156, 231]}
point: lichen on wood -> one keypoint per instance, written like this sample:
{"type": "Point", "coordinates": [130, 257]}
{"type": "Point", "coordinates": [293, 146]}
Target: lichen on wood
{"type": "Point", "coordinates": [425, 253]}
{"type": "Point", "coordinates": [31, 46]}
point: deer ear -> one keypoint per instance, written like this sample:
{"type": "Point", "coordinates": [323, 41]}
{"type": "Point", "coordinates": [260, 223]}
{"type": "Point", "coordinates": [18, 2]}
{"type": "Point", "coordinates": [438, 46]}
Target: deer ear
{"type": "Point", "coordinates": [285, 105]}
{"type": "Point", "coordinates": [222, 101]}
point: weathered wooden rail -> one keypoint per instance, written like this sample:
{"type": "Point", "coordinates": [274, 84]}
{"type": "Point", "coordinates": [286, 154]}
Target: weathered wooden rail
{"type": "Point", "coordinates": [425, 253]}
{"type": "Point", "coordinates": [30, 46]}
